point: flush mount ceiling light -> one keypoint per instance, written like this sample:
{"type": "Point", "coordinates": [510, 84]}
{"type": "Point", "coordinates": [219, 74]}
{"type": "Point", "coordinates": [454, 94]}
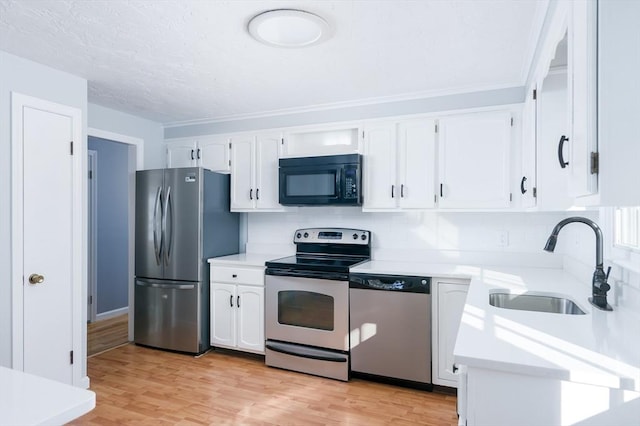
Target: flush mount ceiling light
{"type": "Point", "coordinates": [289, 28]}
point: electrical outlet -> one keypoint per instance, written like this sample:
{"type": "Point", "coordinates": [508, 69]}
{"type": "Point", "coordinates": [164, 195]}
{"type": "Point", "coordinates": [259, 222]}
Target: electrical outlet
{"type": "Point", "coordinates": [503, 239]}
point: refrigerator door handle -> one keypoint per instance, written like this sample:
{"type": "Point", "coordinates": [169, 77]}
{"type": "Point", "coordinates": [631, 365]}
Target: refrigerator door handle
{"type": "Point", "coordinates": [168, 217]}
{"type": "Point", "coordinates": [157, 247]}
{"type": "Point", "coordinates": [166, 286]}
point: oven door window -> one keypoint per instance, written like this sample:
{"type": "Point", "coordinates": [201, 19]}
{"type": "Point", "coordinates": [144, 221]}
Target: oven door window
{"type": "Point", "coordinates": [306, 309]}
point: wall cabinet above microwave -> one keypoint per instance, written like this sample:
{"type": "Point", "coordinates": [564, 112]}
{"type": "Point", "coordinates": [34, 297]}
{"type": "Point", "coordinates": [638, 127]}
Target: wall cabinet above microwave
{"type": "Point", "coordinates": [318, 141]}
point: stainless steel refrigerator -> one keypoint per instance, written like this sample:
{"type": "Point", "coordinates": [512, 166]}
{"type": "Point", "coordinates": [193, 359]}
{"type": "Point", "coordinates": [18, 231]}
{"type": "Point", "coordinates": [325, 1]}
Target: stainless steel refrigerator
{"type": "Point", "coordinates": [182, 219]}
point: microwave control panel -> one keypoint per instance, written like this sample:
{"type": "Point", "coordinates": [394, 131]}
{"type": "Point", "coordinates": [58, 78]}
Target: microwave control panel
{"type": "Point", "coordinates": [351, 182]}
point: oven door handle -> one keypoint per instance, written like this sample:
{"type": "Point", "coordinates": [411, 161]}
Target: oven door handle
{"type": "Point", "coordinates": [305, 352]}
{"type": "Point", "coordinates": [321, 275]}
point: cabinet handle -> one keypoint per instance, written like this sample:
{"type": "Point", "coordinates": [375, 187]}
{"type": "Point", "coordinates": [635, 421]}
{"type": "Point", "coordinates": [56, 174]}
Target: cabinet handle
{"type": "Point", "coordinates": [257, 193]}
{"type": "Point", "coordinates": [392, 189]}
{"type": "Point", "coordinates": [522, 189]}
{"type": "Point", "coordinates": [238, 301]}
{"type": "Point", "coordinates": [251, 194]}
{"type": "Point", "coordinates": [402, 191]}
{"type": "Point", "coordinates": [231, 300]}
{"type": "Point", "coordinates": [563, 163]}
{"type": "Point", "coordinates": [234, 275]}
{"type": "Point", "coordinates": [198, 156]}
{"type": "Point", "coordinates": [192, 155]}
{"type": "Point", "coordinates": [454, 368]}
{"type": "Point", "coordinates": [441, 191]}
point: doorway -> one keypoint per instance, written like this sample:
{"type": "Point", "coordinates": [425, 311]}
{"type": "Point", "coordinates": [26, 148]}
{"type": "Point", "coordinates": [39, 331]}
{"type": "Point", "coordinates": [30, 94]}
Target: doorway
{"type": "Point", "coordinates": [111, 190]}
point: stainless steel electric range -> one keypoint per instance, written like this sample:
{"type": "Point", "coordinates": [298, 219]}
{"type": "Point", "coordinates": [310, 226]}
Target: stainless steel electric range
{"type": "Point", "coordinates": [307, 301]}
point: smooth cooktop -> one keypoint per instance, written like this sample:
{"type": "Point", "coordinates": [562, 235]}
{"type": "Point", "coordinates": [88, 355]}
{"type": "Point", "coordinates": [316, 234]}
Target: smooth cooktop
{"type": "Point", "coordinates": [317, 263]}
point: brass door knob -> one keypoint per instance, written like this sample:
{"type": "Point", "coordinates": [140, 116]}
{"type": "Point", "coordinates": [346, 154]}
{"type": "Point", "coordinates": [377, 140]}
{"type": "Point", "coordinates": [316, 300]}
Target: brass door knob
{"type": "Point", "coordinates": [36, 278]}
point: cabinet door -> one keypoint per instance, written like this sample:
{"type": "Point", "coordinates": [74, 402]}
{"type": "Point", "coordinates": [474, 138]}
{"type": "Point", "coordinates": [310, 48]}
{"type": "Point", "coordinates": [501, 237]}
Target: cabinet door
{"type": "Point", "coordinates": [582, 51]}
{"type": "Point", "coordinates": [267, 157]}
{"type": "Point", "coordinates": [474, 160]}
{"type": "Point", "coordinates": [182, 154]}
{"type": "Point", "coordinates": [242, 166]}
{"type": "Point", "coordinates": [527, 183]}
{"type": "Point", "coordinates": [223, 315]}
{"type": "Point", "coordinates": [250, 303]}
{"type": "Point", "coordinates": [380, 188]}
{"type": "Point", "coordinates": [213, 154]}
{"type": "Point", "coordinates": [417, 160]}
{"type": "Point", "coordinates": [450, 305]}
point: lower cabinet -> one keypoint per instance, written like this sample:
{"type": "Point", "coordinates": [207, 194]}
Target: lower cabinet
{"type": "Point", "coordinates": [237, 314]}
{"type": "Point", "coordinates": [448, 299]}
{"type": "Point", "coordinates": [499, 398]}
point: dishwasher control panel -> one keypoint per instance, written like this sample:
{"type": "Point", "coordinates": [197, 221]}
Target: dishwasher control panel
{"type": "Point", "coordinates": [399, 283]}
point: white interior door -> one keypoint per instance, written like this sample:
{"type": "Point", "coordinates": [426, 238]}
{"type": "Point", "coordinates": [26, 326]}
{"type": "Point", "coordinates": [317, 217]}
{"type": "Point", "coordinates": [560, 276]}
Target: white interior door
{"type": "Point", "coordinates": [49, 265]}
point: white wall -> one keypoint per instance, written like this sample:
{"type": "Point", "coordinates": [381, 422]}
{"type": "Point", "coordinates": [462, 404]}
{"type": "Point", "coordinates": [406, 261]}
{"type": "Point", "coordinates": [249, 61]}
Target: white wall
{"type": "Point", "coordinates": [29, 78]}
{"type": "Point", "coordinates": [152, 133]}
{"type": "Point", "coordinates": [465, 237]}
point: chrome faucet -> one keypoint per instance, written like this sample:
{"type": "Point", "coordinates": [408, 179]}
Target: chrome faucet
{"type": "Point", "coordinates": [599, 286]}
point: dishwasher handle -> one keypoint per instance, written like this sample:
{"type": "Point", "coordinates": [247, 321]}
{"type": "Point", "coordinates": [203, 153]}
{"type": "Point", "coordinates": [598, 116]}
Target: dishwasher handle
{"type": "Point", "coordinates": [395, 283]}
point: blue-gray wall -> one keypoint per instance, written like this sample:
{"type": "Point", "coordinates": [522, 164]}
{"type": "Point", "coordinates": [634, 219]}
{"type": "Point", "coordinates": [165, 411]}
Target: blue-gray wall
{"type": "Point", "coordinates": [114, 121]}
{"type": "Point", "coordinates": [112, 224]}
{"type": "Point", "coordinates": [32, 79]}
{"type": "Point", "coordinates": [512, 95]}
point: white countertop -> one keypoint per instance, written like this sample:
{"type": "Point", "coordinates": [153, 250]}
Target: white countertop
{"type": "Point", "coordinates": [26, 399]}
{"type": "Point", "coordinates": [599, 348]}
{"type": "Point", "coordinates": [246, 259]}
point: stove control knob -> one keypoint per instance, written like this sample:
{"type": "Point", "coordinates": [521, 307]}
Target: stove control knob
{"type": "Point", "coordinates": [364, 237]}
{"type": "Point", "coordinates": [306, 235]}
{"type": "Point", "coordinates": [298, 235]}
{"type": "Point", "coordinates": [355, 236]}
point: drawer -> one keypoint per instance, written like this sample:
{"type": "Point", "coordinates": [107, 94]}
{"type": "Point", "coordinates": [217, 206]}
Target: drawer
{"type": "Point", "coordinates": [235, 275]}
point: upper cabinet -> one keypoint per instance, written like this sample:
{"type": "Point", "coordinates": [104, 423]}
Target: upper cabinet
{"type": "Point", "coordinates": [254, 172]}
{"type": "Point", "coordinates": [582, 68]}
{"type": "Point", "coordinates": [399, 165]}
{"type": "Point", "coordinates": [323, 140]}
{"type": "Point", "coordinates": [210, 152]}
{"type": "Point", "coordinates": [474, 156]}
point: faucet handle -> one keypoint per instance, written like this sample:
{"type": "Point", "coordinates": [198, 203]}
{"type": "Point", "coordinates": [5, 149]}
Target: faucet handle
{"type": "Point", "coordinates": [608, 272]}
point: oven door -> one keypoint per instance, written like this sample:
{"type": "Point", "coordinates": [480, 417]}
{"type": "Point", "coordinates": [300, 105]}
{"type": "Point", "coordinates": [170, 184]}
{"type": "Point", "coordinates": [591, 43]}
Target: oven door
{"type": "Point", "coordinates": [307, 311]}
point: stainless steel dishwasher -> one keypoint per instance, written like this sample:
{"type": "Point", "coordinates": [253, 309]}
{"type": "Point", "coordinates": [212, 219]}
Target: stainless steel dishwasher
{"type": "Point", "coordinates": [390, 323]}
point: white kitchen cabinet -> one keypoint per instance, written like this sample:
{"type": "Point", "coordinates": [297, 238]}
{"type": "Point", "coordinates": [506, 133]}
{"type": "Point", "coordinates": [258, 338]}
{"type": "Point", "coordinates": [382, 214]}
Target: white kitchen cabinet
{"type": "Point", "coordinates": [210, 152]}
{"type": "Point", "coordinates": [528, 179]}
{"type": "Point", "coordinates": [237, 308]}
{"type": "Point", "coordinates": [254, 172]}
{"type": "Point", "coordinates": [582, 62]}
{"type": "Point", "coordinates": [448, 299]}
{"type": "Point", "coordinates": [328, 139]}
{"type": "Point", "coordinates": [500, 398]}
{"type": "Point", "coordinates": [399, 165]}
{"type": "Point", "coordinates": [474, 157]}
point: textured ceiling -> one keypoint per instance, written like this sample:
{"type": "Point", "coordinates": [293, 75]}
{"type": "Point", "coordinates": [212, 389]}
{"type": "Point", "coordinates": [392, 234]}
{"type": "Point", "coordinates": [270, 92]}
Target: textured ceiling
{"type": "Point", "coordinates": [175, 61]}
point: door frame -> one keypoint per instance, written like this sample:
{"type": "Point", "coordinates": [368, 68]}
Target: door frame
{"type": "Point", "coordinates": [92, 235]}
{"type": "Point", "coordinates": [78, 241]}
{"type": "Point", "coordinates": [138, 145]}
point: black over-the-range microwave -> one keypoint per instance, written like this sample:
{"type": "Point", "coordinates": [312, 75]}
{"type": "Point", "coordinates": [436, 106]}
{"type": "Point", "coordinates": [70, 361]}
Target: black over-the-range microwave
{"type": "Point", "coordinates": [324, 180]}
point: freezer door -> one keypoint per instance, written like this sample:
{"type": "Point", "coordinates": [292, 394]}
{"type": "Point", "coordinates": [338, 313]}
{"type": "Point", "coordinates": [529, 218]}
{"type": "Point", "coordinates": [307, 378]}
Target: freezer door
{"type": "Point", "coordinates": [150, 198]}
{"type": "Point", "coordinates": [166, 315]}
{"type": "Point", "coordinates": [182, 224]}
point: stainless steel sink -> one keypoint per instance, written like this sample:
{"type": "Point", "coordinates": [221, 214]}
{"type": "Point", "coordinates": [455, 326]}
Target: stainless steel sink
{"type": "Point", "coordinates": [535, 302]}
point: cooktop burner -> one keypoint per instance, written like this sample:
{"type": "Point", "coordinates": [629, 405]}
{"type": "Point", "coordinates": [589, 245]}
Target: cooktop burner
{"type": "Point", "coordinates": [326, 249]}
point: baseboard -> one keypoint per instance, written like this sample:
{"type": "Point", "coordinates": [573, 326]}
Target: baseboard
{"type": "Point", "coordinates": [113, 313]}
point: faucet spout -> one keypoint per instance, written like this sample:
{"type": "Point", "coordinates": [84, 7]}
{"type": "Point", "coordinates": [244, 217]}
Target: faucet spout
{"type": "Point", "coordinates": [599, 286]}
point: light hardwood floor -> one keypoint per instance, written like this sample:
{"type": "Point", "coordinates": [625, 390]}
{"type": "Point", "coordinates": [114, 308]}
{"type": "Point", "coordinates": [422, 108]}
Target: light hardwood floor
{"type": "Point", "coordinates": [137, 385]}
{"type": "Point", "coordinates": [106, 334]}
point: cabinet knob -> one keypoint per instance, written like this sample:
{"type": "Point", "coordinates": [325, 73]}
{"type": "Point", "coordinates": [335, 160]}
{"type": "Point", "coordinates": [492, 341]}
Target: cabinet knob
{"type": "Point", "coordinates": [234, 275]}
